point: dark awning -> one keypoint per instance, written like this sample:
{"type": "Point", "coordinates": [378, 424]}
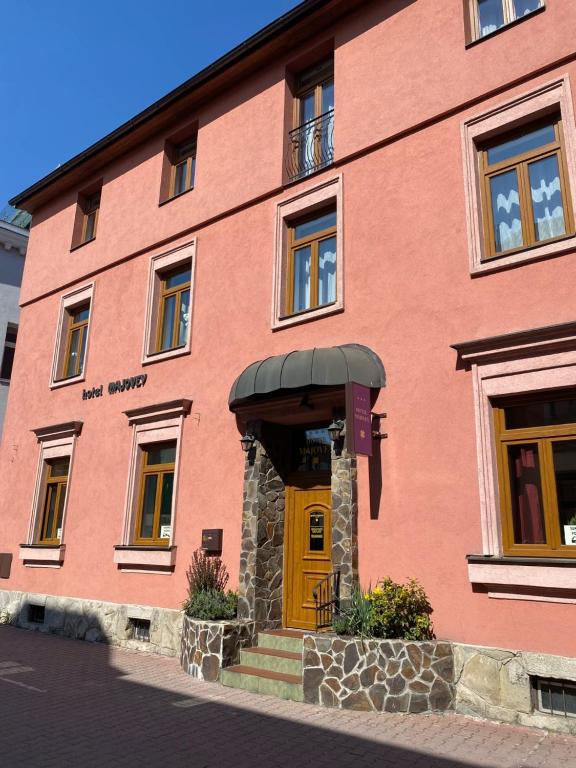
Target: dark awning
{"type": "Point", "coordinates": [321, 366]}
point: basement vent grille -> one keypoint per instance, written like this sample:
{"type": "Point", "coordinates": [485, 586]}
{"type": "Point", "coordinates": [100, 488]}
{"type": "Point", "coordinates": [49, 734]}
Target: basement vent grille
{"type": "Point", "coordinates": [554, 697]}
{"type": "Point", "coordinates": [36, 613]}
{"type": "Point", "coordinates": [140, 629]}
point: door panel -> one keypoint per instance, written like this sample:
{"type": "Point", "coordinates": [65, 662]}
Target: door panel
{"type": "Point", "coordinates": [307, 555]}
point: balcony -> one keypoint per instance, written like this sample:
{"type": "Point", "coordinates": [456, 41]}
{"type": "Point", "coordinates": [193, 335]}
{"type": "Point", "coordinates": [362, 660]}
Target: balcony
{"type": "Point", "coordinates": [310, 146]}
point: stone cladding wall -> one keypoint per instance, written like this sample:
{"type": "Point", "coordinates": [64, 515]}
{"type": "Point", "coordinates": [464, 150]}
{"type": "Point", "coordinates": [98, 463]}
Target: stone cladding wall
{"type": "Point", "coordinates": [262, 547]}
{"type": "Point", "coordinates": [96, 621]}
{"type": "Point", "coordinates": [495, 683]}
{"type": "Point", "coordinates": [208, 646]}
{"type": "Point", "coordinates": [344, 522]}
{"type": "Point", "coordinates": [378, 675]}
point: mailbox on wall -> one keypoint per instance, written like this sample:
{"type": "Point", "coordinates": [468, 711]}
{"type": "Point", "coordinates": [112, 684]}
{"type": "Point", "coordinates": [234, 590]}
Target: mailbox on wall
{"type": "Point", "coordinates": [212, 540]}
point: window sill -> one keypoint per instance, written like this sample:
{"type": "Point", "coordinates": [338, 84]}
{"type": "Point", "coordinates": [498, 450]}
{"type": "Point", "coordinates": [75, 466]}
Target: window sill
{"type": "Point", "coordinates": [42, 555]}
{"type": "Point", "coordinates": [537, 252]}
{"type": "Point", "coordinates": [57, 383]}
{"type": "Point", "coordinates": [142, 558]}
{"type": "Point", "coordinates": [500, 30]}
{"type": "Point", "coordinates": [175, 197]}
{"type": "Point", "coordinates": [537, 572]}
{"type": "Point", "coordinates": [308, 315]}
{"type": "Point", "coordinates": [156, 357]}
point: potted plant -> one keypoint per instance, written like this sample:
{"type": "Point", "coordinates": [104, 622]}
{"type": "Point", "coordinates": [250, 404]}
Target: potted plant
{"type": "Point", "coordinates": [570, 531]}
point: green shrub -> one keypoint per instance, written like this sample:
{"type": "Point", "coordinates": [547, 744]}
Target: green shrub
{"type": "Point", "coordinates": [400, 611]}
{"type": "Point", "coordinates": [354, 618]}
{"type": "Point", "coordinates": [206, 573]}
{"type": "Point", "coordinates": [211, 605]}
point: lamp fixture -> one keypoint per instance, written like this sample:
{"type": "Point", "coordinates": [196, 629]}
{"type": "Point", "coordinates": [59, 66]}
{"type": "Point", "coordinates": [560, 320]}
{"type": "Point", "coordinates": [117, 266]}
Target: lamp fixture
{"type": "Point", "coordinates": [335, 429]}
{"type": "Point", "coordinates": [247, 442]}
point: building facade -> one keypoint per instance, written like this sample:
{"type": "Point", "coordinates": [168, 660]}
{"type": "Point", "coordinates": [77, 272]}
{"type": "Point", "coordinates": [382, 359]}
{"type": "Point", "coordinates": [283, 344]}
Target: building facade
{"type": "Point", "coordinates": [13, 242]}
{"type": "Point", "coordinates": [364, 204]}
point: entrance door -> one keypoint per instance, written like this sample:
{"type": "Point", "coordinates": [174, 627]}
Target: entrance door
{"type": "Point", "coordinates": [307, 553]}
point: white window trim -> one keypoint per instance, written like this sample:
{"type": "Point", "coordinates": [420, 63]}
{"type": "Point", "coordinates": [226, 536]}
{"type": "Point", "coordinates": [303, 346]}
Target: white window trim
{"type": "Point", "coordinates": [55, 442]}
{"type": "Point", "coordinates": [69, 300]}
{"type": "Point", "coordinates": [553, 95]}
{"type": "Point", "coordinates": [292, 207]}
{"type": "Point", "coordinates": [518, 363]}
{"type": "Point", "coordinates": [151, 424]}
{"type": "Point", "coordinates": [158, 264]}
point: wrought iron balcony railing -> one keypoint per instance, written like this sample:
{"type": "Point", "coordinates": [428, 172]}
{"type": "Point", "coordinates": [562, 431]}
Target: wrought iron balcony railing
{"type": "Point", "coordinates": [311, 146]}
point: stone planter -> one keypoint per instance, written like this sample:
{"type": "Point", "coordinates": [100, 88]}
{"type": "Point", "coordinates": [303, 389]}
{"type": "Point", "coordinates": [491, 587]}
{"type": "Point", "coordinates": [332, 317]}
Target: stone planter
{"type": "Point", "coordinates": [208, 646]}
{"type": "Point", "coordinates": [378, 675]}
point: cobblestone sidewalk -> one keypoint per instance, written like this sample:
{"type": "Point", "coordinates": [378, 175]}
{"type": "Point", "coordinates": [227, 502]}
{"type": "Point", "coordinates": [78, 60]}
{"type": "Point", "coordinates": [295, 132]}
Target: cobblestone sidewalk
{"type": "Point", "coordinates": [68, 703]}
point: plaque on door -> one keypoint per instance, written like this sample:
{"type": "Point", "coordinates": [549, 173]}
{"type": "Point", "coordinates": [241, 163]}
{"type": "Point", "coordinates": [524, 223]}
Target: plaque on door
{"type": "Point", "coordinates": [316, 531]}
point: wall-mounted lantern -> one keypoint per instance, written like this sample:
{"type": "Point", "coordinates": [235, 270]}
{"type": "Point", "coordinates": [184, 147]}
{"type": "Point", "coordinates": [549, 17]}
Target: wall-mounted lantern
{"type": "Point", "coordinates": [336, 429]}
{"type": "Point", "coordinates": [247, 442]}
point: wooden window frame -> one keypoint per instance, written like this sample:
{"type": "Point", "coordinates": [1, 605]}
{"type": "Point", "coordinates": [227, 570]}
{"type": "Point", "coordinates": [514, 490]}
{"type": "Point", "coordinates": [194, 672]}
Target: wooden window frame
{"type": "Point", "coordinates": [519, 164]}
{"type": "Point", "coordinates": [8, 345]}
{"type": "Point", "coordinates": [165, 294]}
{"type": "Point", "coordinates": [543, 437]}
{"type": "Point", "coordinates": [82, 327]}
{"type": "Point", "coordinates": [508, 12]}
{"type": "Point", "coordinates": [313, 241]}
{"type": "Point", "coordinates": [159, 470]}
{"type": "Point", "coordinates": [294, 208]}
{"type": "Point", "coordinates": [69, 304]}
{"type": "Point", "coordinates": [162, 265]}
{"type": "Point", "coordinates": [316, 78]}
{"type": "Point", "coordinates": [183, 153]}
{"type": "Point", "coordinates": [91, 210]}
{"type": "Point", "coordinates": [58, 485]}
{"type": "Point", "coordinates": [549, 98]}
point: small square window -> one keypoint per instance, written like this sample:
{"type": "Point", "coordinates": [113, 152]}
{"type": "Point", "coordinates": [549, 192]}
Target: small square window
{"type": "Point", "coordinates": [72, 337]}
{"type": "Point", "coordinates": [9, 350]}
{"type": "Point", "coordinates": [139, 629]}
{"type": "Point", "coordinates": [169, 309]}
{"type": "Point", "coordinates": [36, 613]}
{"type": "Point", "coordinates": [489, 16]}
{"type": "Point", "coordinates": [554, 697]}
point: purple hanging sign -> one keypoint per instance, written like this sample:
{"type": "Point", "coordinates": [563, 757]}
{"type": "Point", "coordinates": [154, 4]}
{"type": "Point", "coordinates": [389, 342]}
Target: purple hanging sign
{"type": "Point", "coordinates": [358, 419]}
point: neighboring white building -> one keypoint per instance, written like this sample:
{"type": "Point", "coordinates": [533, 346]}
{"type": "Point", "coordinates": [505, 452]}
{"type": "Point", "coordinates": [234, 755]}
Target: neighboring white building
{"type": "Point", "coordinates": [14, 227]}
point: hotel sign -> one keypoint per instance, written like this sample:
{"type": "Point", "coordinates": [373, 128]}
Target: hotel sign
{"type": "Point", "coordinates": [358, 419]}
{"type": "Point", "coordinates": [121, 385]}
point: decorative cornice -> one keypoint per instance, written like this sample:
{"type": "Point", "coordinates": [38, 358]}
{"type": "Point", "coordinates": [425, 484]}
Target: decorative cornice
{"type": "Point", "coordinates": [57, 431]}
{"type": "Point", "coordinates": [528, 343]}
{"type": "Point", "coordinates": [158, 411]}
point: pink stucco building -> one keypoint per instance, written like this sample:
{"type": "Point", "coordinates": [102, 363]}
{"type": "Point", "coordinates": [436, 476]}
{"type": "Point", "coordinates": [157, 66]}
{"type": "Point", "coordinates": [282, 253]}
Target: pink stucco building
{"type": "Point", "coordinates": [381, 193]}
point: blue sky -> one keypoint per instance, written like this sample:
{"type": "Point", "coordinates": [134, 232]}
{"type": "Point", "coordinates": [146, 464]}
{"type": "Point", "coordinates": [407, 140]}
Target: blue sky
{"type": "Point", "coordinates": [71, 72]}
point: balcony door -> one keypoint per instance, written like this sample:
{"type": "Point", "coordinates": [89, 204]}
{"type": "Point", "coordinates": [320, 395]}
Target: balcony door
{"type": "Point", "coordinates": [312, 137]}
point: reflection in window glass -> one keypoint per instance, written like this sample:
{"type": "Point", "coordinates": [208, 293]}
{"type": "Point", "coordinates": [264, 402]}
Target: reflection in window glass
{"type": "Point", "coordinates": [302, 258]}
{"type": "Point", "coordinates": [491, 15]}
{"type": "Point", "coordinates": [327, 271]}
{"type": "Point", "coordinates": [547, 204]}
{"type": "Point", "coordinates": [526, 491]}
{"type": "Point", "coordinates": [312, 450]}
{"type": "Point", "coordinates": [521, 144]}
{"type": "Point", "coordinates": [540, 414]}
{"type": "Point", "coordinates": [506, 211]}
{"type": "Point", "coordinates": [564, 453]}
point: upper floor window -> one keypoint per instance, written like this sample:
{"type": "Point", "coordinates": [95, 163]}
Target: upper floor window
{"type": "Point", "coordinates": [311, 279]}
{"type": "Point", "coordinates": [183, 167]}
{"type": "Point", "coordinates": [525, 188]}
{"type": "Point", "coordinates": [490, 15]}
{"type": "Point", "coordinates": [154, 517]}
{"type": "Point", "coordinates": [87, 212]}
{"type": "Point", "coordinates": [54, 496]}
{"type": "Point", "coordinates": [536, 450]}
{"type": "Point", "coordinates": [169, 306]}
{"type": "Point", "coordinates": [72, 337]}
{"type": "Point", "coordinates": [9, 349]}
{"type": "Point", "coordinates": [174, 314]}
{"type": "Point", "coordinates": [311, 142]}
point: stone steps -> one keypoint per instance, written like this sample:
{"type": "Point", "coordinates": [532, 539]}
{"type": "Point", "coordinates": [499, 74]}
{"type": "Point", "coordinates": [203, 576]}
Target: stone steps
{"type": "Point", "coordinates": [274, 667]}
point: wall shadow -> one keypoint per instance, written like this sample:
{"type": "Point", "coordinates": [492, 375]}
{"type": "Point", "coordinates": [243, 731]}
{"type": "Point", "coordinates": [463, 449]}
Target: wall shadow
{"type": "Point", "coordinates": [91, 713]}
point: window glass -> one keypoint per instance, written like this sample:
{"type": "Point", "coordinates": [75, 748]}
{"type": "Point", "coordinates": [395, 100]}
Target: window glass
{"type": "Point", "coordinates": [540, 414]}
{"type": "Point", "coordinates": [317, 224]}
{"type": "Point", "coordinates": [547, 207]}
{"type": "Point", "coordinates": [526, 490]}
{"type": "Point", "coordinates": [564, 453]}
{"type": "Point", "coordinates": [327, 271]}
{"type": "Point", "coordinates": [184, 317]}
{"type": "Point", "coordinates": [316, 530]}
{"type": "Point", "coordinates": [168, 322]}
{"type": "Point", "coordinates": [148, 506]}
{"type": "Point", "coordinates": [11, 334]}
{"type": "Point", "coordinates": [161, 453]}
{"type": "Point", "coordinates": [522, 7]}
{"type": "Point", "coordinates": [7, 363]}
{"type": "Point", "coordinates": [166, 499]}
{"type": "Point", "coordinates": [73, 353]}
{"type": "Point", "coordinates": [521, 144]}
{"type": "Point", "coordinates": [506, 211]}
{"type": "Point", "coordinates": [302, 258]}
{"type": "Point", "coordinates": [180, 179]}
{"type": "Point", "coordinates": [59, 467]}
{"type": "Point", "coordinates": [491, 15]}
{"type": "Point", "coordinates": [312, 450]}
{"type": "Point", "coordinates": [179, 277]}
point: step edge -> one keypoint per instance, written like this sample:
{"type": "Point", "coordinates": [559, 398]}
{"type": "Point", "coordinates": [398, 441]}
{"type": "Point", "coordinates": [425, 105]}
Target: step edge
{"type": "Point", "coordinates": [282, 677]}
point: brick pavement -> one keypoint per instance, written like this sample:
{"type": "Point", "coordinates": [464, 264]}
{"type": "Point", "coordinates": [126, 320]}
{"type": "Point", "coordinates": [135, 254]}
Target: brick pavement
{"type": "Point", "coordinates": [68, 703]}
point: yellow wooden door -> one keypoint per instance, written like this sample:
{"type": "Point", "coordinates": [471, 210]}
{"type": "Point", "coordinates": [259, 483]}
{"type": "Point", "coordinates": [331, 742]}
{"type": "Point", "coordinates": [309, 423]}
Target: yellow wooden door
{"type": "Point", "coordinates": [307, 551]}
